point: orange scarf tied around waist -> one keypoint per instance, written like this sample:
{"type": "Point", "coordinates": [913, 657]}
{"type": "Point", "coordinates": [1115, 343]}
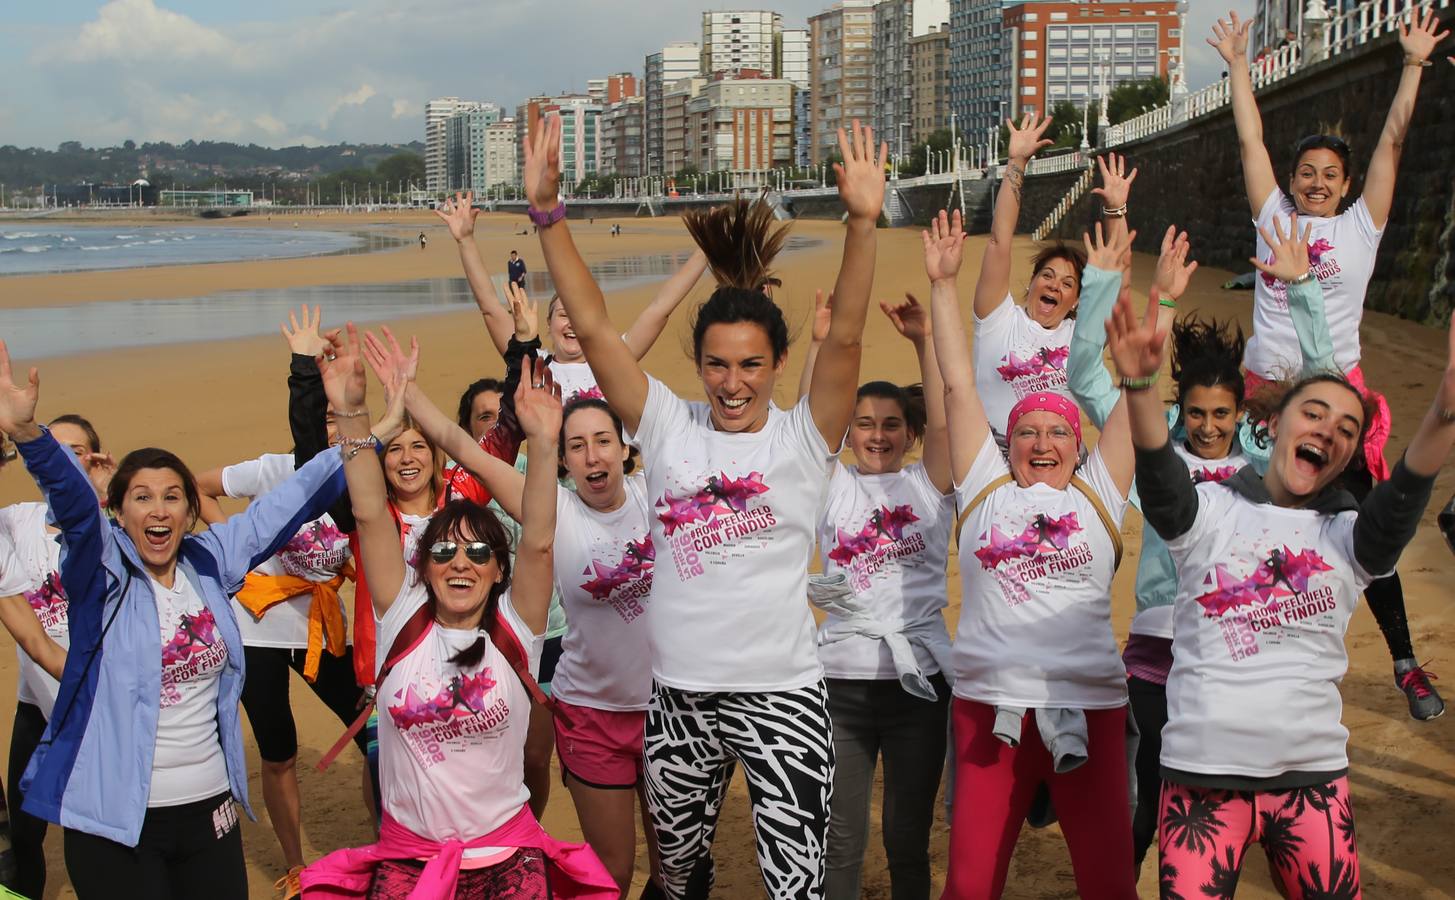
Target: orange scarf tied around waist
{"type": "Point", "coordinates": [326, 628]}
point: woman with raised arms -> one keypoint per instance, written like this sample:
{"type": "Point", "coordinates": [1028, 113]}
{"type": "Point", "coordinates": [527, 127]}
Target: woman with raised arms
{"type": "Point", "coordinates": [603, 572]}
{"type": "Point", "coordinates": [1269, 571]}
{"type": "Point", "coordinates": [1040, 691]}
{"type": "Point", "coordinates": [457, 639]}
{"type": "Point", "coordinates": [142, 762]}
{"type": "Point", "coordinates": [735, 484]}
{"type": "Point", "coordinates": [1342, 250]}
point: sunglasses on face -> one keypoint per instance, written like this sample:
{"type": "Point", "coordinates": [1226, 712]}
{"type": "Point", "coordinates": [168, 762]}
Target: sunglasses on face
{"type": "Point", "coordinates": [476, 552]}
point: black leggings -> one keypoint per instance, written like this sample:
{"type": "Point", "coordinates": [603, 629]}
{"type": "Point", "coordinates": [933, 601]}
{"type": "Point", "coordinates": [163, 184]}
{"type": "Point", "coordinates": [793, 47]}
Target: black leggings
{"type": "Point", "coordinates": [27, 832]}
{"type": "Point", "coordinates": [265, 696]}
{"type": "Point", "coordinates": [1149, 708]}
{"type": "Point", "coordinates": [1385, 595]}
{"type": "Point", "coordinates": [187, 851]}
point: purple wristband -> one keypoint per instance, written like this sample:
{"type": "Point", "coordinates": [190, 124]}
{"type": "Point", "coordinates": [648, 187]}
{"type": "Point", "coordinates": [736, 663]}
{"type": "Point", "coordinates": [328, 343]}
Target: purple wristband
{"type": "Point", "coordinates": [547, 219]}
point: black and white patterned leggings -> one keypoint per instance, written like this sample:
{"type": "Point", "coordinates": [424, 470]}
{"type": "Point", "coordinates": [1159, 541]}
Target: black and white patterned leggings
{"type": "Point", "coordinates": [783, 739]}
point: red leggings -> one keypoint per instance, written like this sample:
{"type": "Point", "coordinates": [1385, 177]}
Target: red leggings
{"type": "Point", "coordinates": [994, 787]}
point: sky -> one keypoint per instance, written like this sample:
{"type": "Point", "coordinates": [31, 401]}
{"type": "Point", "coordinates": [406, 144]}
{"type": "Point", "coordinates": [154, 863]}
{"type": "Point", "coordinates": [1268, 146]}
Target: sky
{"type": "Point", "coordinates": [285, 72]}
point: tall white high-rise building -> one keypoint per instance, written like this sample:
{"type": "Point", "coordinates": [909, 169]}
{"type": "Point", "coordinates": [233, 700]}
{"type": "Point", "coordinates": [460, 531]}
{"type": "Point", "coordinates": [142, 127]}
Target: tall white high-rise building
{"type": "Point", "coordinates": [740, 39]}
{"type": "Point", "coordinates": [841, 72]}
{"type": "Point", "coordinates": [436, 164]}
{"type": "Point", "coordinates": [666, 67]}
{"type": "Point", "coordinates": [895, 23]}
{"type": "Point", "coordinates": [500, 153]}
{"type": "Point", "coordinates": [793, 56]}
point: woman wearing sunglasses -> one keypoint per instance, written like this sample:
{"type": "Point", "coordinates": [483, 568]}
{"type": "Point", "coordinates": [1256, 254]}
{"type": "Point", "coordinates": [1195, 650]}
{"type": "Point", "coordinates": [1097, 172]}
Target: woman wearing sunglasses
{"type": "Point", "coordinates": [603, 573]}
{"type": "Point", "coordinates": [454, 703]}
{"type": "Point", "coordinates": [1342, 250]}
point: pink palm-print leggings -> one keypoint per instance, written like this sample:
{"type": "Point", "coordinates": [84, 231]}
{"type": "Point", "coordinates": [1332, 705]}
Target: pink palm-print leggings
{"type": "Point", "coordinates": [1307, 834]}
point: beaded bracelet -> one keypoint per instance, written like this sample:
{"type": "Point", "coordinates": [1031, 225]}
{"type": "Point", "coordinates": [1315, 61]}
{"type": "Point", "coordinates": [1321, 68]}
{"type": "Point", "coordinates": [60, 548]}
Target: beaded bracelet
{"type": "Point", "coordinates": [1118, 213]}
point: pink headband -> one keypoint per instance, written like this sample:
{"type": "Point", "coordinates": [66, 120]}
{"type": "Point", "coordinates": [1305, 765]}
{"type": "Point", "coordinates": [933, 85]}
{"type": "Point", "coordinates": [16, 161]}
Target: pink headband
{"type": "Point", "coordinates": [1046, 401]}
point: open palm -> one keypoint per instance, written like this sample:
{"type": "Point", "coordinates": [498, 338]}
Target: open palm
{"type": "Point", "coordinates": [17, 401]}
{"type": "Point", "coordinates": [542, 170]}
{"type": "Point", "coordinates": [861, 174]}
{"type": "Point", "coordinates": [944, 245]}
{"type": "Point", "coordinates": [459, 215]}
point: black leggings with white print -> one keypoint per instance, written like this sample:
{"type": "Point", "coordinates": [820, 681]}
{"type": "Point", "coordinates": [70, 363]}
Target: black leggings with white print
{"type": "Point", "coordinates": [784, 741]}
{"type": "Point", "coordinates": [186, 851]}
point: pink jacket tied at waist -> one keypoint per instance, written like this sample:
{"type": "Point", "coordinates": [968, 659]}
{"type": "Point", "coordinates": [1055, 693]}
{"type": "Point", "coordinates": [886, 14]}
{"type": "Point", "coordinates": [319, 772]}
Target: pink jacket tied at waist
{"type": "Point", "coordinates": [346, 874]}
{"type": "Point", "coordinates": [1376, 434]}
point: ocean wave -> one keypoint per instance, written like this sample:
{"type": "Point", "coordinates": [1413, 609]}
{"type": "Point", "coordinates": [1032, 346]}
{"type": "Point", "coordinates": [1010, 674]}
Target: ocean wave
{"type": "Point", "coordinates": [33, 248]}
{"type": "Point", "coordinates": [100, 247]}
{"type": "Point", "coordinates": [17, 235]}
{"type": "Point", "coordinates": [123, 237]}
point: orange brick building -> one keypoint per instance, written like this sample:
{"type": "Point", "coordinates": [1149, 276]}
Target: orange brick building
{"type": "Point", "coordinates": [1057, 50]}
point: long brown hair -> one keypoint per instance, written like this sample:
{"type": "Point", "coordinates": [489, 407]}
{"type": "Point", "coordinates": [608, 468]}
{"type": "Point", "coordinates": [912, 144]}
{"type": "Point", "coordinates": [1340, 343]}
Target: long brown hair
{"type": "Point", "coordinates": [740, 241]}
{"type": "Point", "coordinates": [459, 519]}
{"type": "Point", "coordinates": [437, 463]}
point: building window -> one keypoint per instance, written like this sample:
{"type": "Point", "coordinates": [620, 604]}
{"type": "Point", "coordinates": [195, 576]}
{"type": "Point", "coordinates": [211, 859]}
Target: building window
{"type": "Point", "coordinates": [1028, 91]}
{"type": "Point", "coordinates": [1147, 32]}
{"type": "Point", "coordinates": [1030, 54]}
{"type": "Point", "coordinates": [1028, 73]}
{"type": "Point", "coordinates": [1058, 17]}
{"type": "Point", "coordinates": [1033, 17]}
{"type": "Point", "coordinates": [1125, 32]}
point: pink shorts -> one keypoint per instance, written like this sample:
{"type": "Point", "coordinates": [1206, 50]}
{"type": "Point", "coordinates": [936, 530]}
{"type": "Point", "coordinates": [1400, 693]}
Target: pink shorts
{"type": "Point", "coordinates": [601, 748]}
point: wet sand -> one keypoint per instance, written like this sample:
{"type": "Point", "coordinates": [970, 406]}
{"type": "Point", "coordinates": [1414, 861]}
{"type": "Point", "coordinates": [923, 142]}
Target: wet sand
{"type": "Point", "coordinates": [225, 400]}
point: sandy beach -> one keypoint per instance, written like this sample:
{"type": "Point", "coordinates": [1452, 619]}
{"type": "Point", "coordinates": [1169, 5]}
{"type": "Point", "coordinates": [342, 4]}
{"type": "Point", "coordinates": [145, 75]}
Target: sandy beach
{"type": "Point", "coordinates": [225, 400]}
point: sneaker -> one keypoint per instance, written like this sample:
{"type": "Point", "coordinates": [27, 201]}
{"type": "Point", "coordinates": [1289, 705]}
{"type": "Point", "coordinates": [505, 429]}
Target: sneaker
{"type": "Point", "coordinates": [290, 886]}
{"type": "Point", "coordinates": [1425, 702]}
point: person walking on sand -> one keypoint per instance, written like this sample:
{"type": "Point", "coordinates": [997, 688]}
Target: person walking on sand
{"type": "Point", "coordinates": [515, 267]}
{"type": "Point", "coordinates": [422, 240]}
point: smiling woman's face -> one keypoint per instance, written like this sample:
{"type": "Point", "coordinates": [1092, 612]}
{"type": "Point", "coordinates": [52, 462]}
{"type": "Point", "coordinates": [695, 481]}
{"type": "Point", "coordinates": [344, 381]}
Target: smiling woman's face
{"type": "Point", "coordinates": [1053, 292]}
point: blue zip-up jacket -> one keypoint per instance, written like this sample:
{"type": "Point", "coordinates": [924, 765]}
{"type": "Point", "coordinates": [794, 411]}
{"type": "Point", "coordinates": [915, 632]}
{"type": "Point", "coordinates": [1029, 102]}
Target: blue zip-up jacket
{"type": "Point", "coordinates": [1096, 394]}
{"type": "Point", "coordinates": [93, 768]}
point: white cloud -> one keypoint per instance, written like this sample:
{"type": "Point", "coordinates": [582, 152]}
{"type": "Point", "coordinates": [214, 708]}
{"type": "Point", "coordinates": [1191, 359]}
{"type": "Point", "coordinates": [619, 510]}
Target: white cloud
{"type": "Point", "coordinates": [403, 108]}
{"type": "Point", "coordinates": [138, 31]}
{"type": "Point", "coordinates": [357, 97]}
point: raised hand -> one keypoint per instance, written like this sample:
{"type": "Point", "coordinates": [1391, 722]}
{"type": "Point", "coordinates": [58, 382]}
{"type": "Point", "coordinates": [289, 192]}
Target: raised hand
{"type": "Point", "coordinates": [459, 215]}
{"type": "Point", "coordinates": [523, 311]}
{"type": "Point", "coordinates": [861, 174]}
{"type": "Point", "coordinates": [1173, 269]}
{"type": "Point", "coordinates": [100, 467]}
{"type": "Point", "coordinates": [1289, 248]}
{"type": "Point", "coordinates": [542, 170]}
{"type": "Point", "coordinates": [1137, 345]}
{"type": "Point", "coordinates": [1026, 141]}
{"type": "Point", "coordinates": [1230, 39]}
{"type": "Point", "coordinates": [342, 367]}
{"type": "Point", "coordinates": [944, 244]}
{"type": "Point", "coordinates": [1419, 39]}
{"type": "Point", "coordinates": [392, 424]}
{"type": "Point", "coordinates": [1116, 181]}
{"type": "Point", "coordinates": [538, 402]}
{"type": "Point", "coordinates": [823, 314]}
{"type": "Point", "coordinates": [17, 401]}
{"type": "Point", "coordinates": [301, 332]}
{"type": "Point", "coordinates": [909, 318]}
{"type": "Point", "coordinates": [388, 359]}
{"type": "Point", "coordinates": [1109, 257]}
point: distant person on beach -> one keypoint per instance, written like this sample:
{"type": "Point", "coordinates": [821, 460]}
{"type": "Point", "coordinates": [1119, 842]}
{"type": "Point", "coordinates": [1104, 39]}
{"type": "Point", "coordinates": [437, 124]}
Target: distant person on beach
{"type": "Point", "coordinates": [421, 240]}
{"type": "Point", "coordinates": [1343, 249]}
{"type": "Point", "coordinates": [515, 269]}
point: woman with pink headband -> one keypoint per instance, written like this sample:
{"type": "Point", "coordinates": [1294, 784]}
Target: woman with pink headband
{"type": "Point", "coordinates": [1040, 690]}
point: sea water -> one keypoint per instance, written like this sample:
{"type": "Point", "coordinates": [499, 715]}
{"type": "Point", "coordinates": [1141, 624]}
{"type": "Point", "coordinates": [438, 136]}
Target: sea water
{"type": "Point", "coordinates": [29, 248]}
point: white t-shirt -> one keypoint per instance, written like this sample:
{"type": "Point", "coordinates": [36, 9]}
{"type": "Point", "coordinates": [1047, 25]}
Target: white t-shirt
{"type": "Point", "coordinates": [1263, 600]}
{"type": "Point", "coordinates": [603, 571]}
{"type": "Point", "coordinates": [1156, 621]}
{"type": "Point", "coordinates": [30, 562]}
{"type": "Point", "coordinates": [1341, 251]}
{"type": "Point", "coordinates": [412, 529]}
{"type": "Point", "coordinates": [1036, 566]}
{"type": "Point", "coordinates": [1015, 357]}
{"type": "Point", "coordinates": [575, 379]}
{"type": "Point", "coordinates": [733, 528]}
{"type": "Point", "coordinates": [316, 553]}
{"type": "Point", "coordinates": [451, 740]}
{"type": "Point", "coordinates": [889, 535]}
{"type": "Point", "coordinates": [188, 765]}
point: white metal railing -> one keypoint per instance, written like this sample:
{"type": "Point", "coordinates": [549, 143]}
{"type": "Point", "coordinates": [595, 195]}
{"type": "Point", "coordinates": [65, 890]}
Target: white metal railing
{"type": "Point", "coordinates": [1066, 162]}
{"type": "Point", "coordinates": [1064, 206]}
{"type": "Point", "coordinates": [1346, 31]}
